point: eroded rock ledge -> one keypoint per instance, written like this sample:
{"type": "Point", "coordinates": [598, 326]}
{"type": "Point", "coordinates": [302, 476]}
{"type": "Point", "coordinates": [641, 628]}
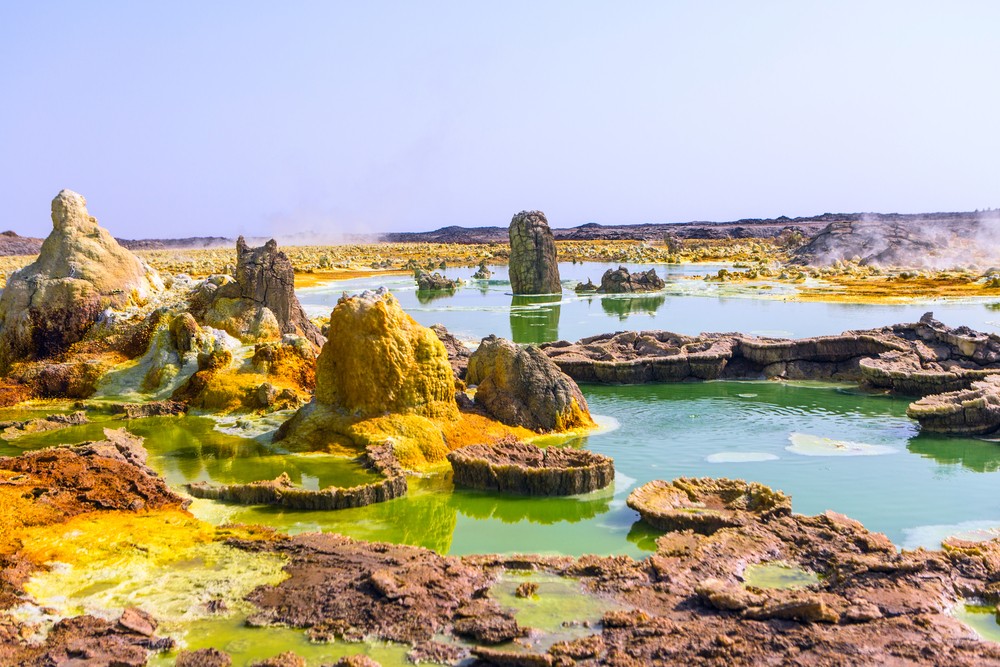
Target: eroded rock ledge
{"type": "Point", "coordinates": [707, 505]}
{"type": "Point", "coordinates": [918, 359]}
{"type": "Point", "coordinates": [517, 467]}
{"type": "Point", "coordinates": [281, 491]}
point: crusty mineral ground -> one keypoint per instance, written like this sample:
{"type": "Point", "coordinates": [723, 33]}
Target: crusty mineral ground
{"type": "Point", "coordinates": [684, 604]}
{"type": "Point", "coordinates": [516, 467]}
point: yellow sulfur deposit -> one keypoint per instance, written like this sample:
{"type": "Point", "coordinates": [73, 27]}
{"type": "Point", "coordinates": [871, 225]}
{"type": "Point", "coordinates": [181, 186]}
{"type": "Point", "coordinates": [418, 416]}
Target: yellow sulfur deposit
{"type": "Point", "coordinates": [417, 441]}
{"type": "Point", "coordinates": [166, 562]}
{"type": "Point", "coordinates": [378, 360]}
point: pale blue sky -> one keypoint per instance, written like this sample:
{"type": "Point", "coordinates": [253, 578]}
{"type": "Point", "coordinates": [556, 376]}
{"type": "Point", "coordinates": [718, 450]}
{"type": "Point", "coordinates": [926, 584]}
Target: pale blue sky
{"type": "Point", "coordinates": [195, 118]}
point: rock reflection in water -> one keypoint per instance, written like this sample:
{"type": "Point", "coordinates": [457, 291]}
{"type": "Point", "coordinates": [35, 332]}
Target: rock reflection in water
{"type": "Point", "coordinates": [535, 319]}
{"type": "Point", "coordinates": [624, 306]}
{"type": "Point", "coordinates": [547, 510]}
{"type": "Point", "coordinates": [426, 296]}
{"type": "Point", "coordinates": [974, 454]}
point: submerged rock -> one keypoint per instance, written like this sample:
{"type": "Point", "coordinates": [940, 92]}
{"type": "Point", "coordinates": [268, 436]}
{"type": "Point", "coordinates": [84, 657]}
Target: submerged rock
{"type": "Point", "coordinates": [80, 272]}
{"type": "Point", "coordinates": [521, 386]}
{"type": "Point", "coordinates": [517, 467]}
{"type": "Point", "coordinates": [259, 302]}
{"type": "Point", "coordinates": [149, 409]}
{"type": "Point", "coordinates": [483, 272]}
{"type": "Point", "coordinates": [205, 657]}
{"type": "Point", "coordinates": [534, 268]}
{"type": "Point", "coordinates": [706, 505]}
{"type": "Point", "coordinates": [621, 281]}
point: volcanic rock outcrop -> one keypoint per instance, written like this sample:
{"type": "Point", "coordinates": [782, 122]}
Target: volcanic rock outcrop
{"type": "Point", "coordinates": [621, 281]}
{"type": "Point", "coordinates": [458, 353]}
{"type": "Point", "coordinates": [259, 303]}
{"type": "Point", "coordinates": [533, 265]}
{"type": "Point", "coordinates": [517, 467]}
{"type": "Point", "coordinates": [520, 386]}
{"type": "Point", "coordinates": [917, 359]}
{"type": "Point", "coordinates": [429, 282]}
{"type": "Point", "coordinates": [80, 273]}
{"type": "Point", "coordinates": [973, 411]}
{"type": "Point", "coordinates": [935, 359]}
{"type": "Point", "coordinates": [381, 361]}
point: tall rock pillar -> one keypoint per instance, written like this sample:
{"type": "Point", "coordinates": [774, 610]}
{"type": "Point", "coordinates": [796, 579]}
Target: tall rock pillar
{"type": "Point", "coordinates": [533, 266]}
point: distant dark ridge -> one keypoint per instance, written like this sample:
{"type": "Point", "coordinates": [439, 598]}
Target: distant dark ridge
{"type": "Point", "coordinates": [189, 243]}
{"type": "Point", "coordinates": [12, 244]}
{"type": "Point", "coordinates": [745, 228]}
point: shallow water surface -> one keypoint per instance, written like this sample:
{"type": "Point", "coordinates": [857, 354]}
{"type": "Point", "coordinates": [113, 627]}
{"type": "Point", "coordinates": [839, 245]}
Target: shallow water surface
{"type": "Point", "coordinates": [688, 305]}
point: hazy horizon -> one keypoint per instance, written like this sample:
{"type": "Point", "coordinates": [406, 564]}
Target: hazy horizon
{"type": "Point", "coordinates": [188, 119]}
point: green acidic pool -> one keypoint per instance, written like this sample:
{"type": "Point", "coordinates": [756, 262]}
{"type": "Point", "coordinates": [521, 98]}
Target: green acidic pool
{"type": "Point", "coordinates": [778, 575]}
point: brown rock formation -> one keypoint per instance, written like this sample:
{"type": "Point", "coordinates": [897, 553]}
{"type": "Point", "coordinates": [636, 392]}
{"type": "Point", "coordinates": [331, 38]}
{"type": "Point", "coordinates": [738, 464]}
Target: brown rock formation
{"type": "Point", "coordinates": [973, 411]}
{"type": "Point", "coordinates": [339, 587]}
{"type": "Point", "coordinates": [935, 359]}
{"type": "Point", "coordinates": [88, 641]}
{"type": "Point", "coordinates": [12, 430]}
{"type": "Point", "coordinates": [621, 281]}
{"type": "Point", "coordinates": [706, 505]}
{"type": "Point", "coordinates": [206, 657]}
{"type": "Point", "coordinates": [520, 386]}
{"type": "Point", "coordinates": [427, 281]}
{"type": "Point", "coordinates": [517, 467]}
{"type": "Point", "coordinates": [534, 268]}
{"type": "Point", "coordinates": [107, 474]}
{"type": "Point", "coordinates": [458, 353]}
{"type": "Point", "coordinates": [80, 272]}
{"type": "Point", "coordinates": [260, 303]}
{"type": "Point", "coordinates": [921, 358]}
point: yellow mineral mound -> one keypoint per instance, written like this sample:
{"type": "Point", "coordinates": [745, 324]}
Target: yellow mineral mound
{"type": "Point", "coordinates": [378, 360]}
{"type": "Point", "coordinates": [81, 271]}
{"type": "Point", "coordinates": [384, 378]}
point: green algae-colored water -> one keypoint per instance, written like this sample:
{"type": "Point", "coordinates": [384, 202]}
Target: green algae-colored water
{"type": "Point", "coordinates": [828, 446]}
{"type": "Point", "coordinates": [981, 617]}
{"type": "Point", "coordinates": [248, 645]}
{"type": "Point", "coordinates": [778, 575]}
